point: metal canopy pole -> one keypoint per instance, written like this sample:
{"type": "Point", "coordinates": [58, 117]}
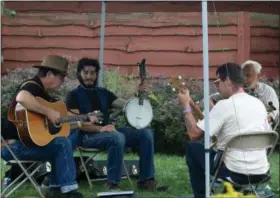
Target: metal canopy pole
{"type": "Point", "coordinates": [206, 96]}
{"type": "Point", "coordinates": [101, 50]}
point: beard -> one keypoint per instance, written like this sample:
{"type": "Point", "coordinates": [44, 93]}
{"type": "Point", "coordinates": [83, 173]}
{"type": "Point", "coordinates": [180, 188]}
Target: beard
{"type": "Point", "coordinates": [90, 86]}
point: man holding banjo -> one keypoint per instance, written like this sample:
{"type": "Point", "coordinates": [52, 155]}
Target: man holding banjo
{"type": "Point", "coordinates": [88, 97]}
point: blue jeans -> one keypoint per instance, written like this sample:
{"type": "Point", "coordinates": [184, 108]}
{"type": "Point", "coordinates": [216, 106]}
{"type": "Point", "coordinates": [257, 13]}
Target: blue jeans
{"type": "Point", "coordinates": [195, 157]}
{"type": "Point", "coordinates": [115, 142]}
{"type": "Point", "coordinates": [58, 152]}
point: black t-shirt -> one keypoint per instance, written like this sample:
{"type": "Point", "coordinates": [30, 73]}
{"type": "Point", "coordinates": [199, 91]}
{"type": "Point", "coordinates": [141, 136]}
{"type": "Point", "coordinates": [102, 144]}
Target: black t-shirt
{"type": "Point", "coordinates": [7, 128]}
{"type": "Point", "coordinates": [37, 91]}
{"type": "Point", "coordinates": [73, 103]}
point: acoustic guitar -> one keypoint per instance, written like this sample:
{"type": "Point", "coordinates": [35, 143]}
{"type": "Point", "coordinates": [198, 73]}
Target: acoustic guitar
{"type": "Point", "coordinates": [36, 130]}
{"type": "Point", "coordinates": [179, 85]}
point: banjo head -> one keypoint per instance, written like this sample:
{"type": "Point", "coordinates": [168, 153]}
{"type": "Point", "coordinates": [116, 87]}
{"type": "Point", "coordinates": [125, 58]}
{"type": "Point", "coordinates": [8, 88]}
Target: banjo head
{"type": "Point", "coordinates": [138, 116]}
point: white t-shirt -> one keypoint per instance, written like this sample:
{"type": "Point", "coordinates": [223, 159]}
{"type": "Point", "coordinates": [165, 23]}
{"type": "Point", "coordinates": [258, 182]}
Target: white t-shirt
{"type": "Point", "coordinates": [237, 114]}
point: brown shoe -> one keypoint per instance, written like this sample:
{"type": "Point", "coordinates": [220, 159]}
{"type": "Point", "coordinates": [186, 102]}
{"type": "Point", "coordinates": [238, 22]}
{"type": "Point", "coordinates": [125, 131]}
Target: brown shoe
{"type": "Point", "coordinates": [112, 186]}
{"type": "Point", "coordinates": [151, 185]}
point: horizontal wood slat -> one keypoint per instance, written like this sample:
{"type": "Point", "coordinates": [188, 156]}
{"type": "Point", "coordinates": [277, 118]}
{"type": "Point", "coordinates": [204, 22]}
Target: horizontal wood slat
{"type": "Point", "coordinates": [266, 32]}
{"type": "Point", "coordinates": [138, 6]}
{"type": "Point", "coordinates": [114, 30]}
{"type": "Point", "coordinates": [134, 19]}
{"type": "Point", "coordinates": [127, 44]}
{"type": "Point", "coordinates": [265, 44]}
{"type": "Point", "coordinates": [267, 59]}
{"type": "Point", "coordinates": [122, 58]}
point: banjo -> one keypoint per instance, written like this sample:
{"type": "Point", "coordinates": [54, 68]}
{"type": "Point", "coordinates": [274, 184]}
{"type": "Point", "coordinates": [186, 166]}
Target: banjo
{"type": "Point", "coordinates": [138, 110]}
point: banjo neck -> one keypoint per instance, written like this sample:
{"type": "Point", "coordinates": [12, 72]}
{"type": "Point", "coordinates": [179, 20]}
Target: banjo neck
{"type": "Point", "coordinates": [143, 76]}
{"type": "Point", "coordinates": [141, 98]}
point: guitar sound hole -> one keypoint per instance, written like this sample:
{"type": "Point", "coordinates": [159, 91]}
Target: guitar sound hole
{"type": "Point", "coordinates": [53, 129]}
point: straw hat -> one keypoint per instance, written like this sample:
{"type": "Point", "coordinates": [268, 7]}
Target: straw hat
{"type": "Point", "coordinates": [55, 62]}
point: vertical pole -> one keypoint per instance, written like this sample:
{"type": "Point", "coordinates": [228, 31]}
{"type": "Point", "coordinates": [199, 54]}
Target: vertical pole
{"type": "Point", "coordinates": [206, 95]}
{"type": "Point", "coordinates": [101, 51]}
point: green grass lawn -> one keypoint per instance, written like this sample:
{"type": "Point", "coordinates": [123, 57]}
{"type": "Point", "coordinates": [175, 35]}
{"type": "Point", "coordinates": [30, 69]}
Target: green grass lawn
{"type": "Point", "coordinates": [170, 170]}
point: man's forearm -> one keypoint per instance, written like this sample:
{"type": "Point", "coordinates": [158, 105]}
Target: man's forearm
{"type": "Point", "coordinates": [29, 102]}
{"type": "Point", "coordinates": [193, 131]}
{"type": "Point", "coordinates": [85, 126]}
{"type": "Point", "coordinates": [119, 103]}
{"type": "Point", "coordinates": [90, 127]}
{"type": "Point", "coordinates": [190, 123]}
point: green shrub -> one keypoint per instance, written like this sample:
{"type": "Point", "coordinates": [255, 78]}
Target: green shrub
{"type": "Point", "coordinates": [9, 85]}
{"type": "Point", "coordinates": [168, 123]}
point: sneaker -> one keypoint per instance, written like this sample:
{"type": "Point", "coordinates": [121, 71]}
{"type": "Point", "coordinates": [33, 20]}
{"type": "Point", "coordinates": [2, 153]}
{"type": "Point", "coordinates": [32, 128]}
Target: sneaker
{"type": "Point", "coordinates": [151, 185]}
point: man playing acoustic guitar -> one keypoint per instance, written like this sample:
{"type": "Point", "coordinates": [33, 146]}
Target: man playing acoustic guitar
{"type": "Point", "coordinates": [58, 152]}
{"type": "Point", "coordinates": [88, 97]}
{"type": "Point", "coordinates": [237, 113]}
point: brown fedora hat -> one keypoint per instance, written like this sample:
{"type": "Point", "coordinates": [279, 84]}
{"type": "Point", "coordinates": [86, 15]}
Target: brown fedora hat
{"type": "Point", "coordinates": [55, 62]}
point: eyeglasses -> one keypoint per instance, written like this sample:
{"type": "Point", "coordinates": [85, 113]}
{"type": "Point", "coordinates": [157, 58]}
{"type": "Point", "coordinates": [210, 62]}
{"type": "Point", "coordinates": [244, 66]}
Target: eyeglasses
{"type": "Point", "coordinates": [217, 82]}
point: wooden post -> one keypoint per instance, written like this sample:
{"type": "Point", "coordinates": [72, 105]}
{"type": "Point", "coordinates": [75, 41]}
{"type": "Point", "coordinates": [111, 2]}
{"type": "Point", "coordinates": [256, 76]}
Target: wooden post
{"type": "Point", "coordinates": [243, 37]}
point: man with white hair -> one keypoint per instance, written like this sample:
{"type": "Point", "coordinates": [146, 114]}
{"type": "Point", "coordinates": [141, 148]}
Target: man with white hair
{"type": "Point", "coordinates": [252, 73]}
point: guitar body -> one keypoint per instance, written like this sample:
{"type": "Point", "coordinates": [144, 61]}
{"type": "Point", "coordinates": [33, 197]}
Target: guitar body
{"type": "Point", "coordinates": [37, 130]}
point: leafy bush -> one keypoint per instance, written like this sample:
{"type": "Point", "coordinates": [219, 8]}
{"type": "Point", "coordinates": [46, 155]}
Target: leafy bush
{"type": "Point", "coordinates": [168, 123]}
{"type": "Point", "coordinates": [9, 85]}
{"type": "Point", "coordinates": [6, 11]}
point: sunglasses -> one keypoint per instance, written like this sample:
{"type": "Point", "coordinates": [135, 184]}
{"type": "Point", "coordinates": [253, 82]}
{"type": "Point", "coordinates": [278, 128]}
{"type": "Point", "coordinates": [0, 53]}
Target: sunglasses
{"type": "Point", "coordinates": [61, 76]}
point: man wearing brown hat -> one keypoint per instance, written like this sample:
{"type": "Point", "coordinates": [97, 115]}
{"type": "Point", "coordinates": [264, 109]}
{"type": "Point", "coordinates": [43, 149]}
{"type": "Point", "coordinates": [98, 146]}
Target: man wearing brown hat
{"type": "Point", "coordinates": [58, 152]}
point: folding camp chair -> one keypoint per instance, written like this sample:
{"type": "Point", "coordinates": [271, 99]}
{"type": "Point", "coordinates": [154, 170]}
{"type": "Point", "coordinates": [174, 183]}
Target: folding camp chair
{"type": "Point", "coordinates": [14, 185]}
{"type": "Point", "coordinates": [84, 163]}
{"type": "Point", "coordinates": [261, 140]}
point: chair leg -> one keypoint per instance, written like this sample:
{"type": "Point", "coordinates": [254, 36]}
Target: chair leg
{"type": "Point", "coordinates": [35, 184]}
{"type": "Point", "coordinates": [85, 169]}
{"type": "Point", "coordinates": [15, 180]}
{"type": "Point", "coordinates": [127, 174]}
{"type": "Point", "coordinates": [24, 180]}
{"type": "Point", "coordinates": [253, 189]}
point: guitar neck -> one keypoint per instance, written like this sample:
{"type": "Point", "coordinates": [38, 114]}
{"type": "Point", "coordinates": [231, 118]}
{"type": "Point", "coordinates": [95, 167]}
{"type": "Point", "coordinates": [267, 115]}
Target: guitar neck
{"type": "Point", "coordinates": [196, 110]}
{"type": "Point", "coordinates": [75, 118]}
